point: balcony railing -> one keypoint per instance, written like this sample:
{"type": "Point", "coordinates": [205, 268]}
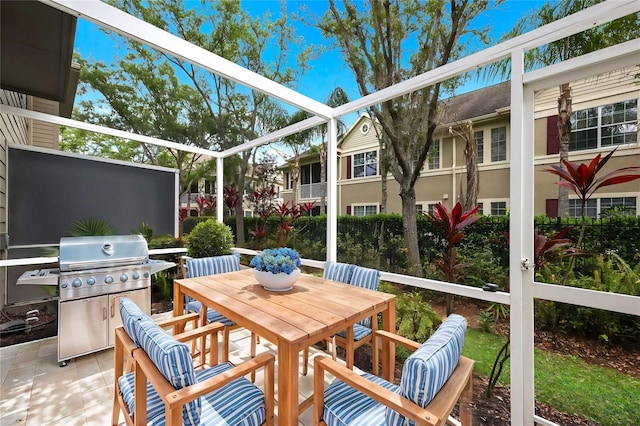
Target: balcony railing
{"type": "Point", "coordinates": [312, 190]}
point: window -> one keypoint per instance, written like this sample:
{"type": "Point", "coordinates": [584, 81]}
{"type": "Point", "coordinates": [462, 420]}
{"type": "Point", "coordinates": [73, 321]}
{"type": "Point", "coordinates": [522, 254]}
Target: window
{"type": "Point", "coordinates": [193, 188]}
{"type": "Point", "coordinates": [479, 137]}
{"type": "Point", "coordinates": [498, 208]}
{"type": "Point", "coordinates": [209, 186]}
{"type": "Point", "coordinates": [365, 210]}
{"type": "Point", "coordinates": [431, 207]}
{"type": "Point", "coordinates": [433, 156]}
{"type": "Point", "coordinates": [607, 125]}
{"type": "Point", "coordinates": [364, 129]}
{"type": "Point", "coordinates": [248, 213]}
{"type": "Point", "coordinates": [418, 209]}
{"type": "Point", "coordinates": [365, 164]}
{"type": "Point", "coordinates": [595, 206]}
{"type": "Point", "coordinates": [481, 208]}
{"type": "Point", "coordinates": [499, 144]}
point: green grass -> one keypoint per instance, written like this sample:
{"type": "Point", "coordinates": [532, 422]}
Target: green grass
{"type": "Point", "coordinates": [566, 382]}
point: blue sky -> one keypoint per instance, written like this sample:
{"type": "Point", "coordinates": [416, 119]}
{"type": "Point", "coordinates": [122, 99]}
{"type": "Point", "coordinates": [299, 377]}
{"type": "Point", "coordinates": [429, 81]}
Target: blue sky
{"type": "Point", "coordinates": [328, 71]}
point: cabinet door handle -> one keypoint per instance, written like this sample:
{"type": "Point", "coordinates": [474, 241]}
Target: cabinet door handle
{"type": "Point", "coordinates": [112, 303]}
{"type": "Point", "coordinates": [104, 313]}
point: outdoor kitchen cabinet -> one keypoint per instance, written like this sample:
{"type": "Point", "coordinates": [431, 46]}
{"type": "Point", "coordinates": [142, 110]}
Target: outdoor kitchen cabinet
{"type": "Point", "coordinates": [90, 322]}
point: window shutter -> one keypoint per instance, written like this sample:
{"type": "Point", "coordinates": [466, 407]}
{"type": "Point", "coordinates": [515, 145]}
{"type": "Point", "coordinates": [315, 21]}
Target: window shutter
{"type": "Point", "coordinates": [349, 210]}
{"type": "Point", "coordinates": [553, 142]}
{"type": "Point", "coordinates": [349, 169]}
{"type": "Point", "coordinates": [552, 207]}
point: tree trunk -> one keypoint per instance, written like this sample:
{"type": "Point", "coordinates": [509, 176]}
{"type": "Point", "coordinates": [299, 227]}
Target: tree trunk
{"type": "Point", "coordinates": [564, 133]}
{"type": "Point", "coordinates": [471, 160]}
{"type": "Point", "coordinates": [410, 230]}
{"type": "Point", "coordinates": [384, 165]}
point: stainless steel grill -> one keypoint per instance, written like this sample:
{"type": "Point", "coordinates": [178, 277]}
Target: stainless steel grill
{"type": "Point", "coordinates": [94, 273]}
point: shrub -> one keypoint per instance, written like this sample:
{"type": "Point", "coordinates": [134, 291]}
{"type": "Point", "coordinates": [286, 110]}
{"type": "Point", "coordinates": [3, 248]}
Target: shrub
{"type": "Point", "coordinates": [209, 238]}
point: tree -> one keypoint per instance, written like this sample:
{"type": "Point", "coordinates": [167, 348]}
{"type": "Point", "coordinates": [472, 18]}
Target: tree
{"type": "Point", "coordinates": [166, 97]}
{"type": "Point", "coordinates": [298, 143]}
{"type": "Point", "coordinates": [375, 39]}
{"type": "Point", "coordinates": [609, 34]}
{"type": "Point", "coordinates": [465, 131]}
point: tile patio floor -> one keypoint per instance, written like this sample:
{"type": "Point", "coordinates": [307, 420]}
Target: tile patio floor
{"type": "Point", "coordinates": [35, 391]}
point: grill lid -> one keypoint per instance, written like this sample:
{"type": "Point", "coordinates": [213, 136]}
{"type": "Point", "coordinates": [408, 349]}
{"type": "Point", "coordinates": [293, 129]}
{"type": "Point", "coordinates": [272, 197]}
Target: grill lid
{"type": "Point", "coordinates": [82, 253]}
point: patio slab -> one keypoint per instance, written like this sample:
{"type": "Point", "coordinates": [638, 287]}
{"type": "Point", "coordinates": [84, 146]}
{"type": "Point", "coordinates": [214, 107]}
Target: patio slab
{"type": "Point", "coordinates": [36, 391]}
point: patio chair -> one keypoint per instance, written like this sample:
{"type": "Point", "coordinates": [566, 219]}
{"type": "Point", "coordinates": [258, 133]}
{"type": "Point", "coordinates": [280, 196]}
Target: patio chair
{"type": "Point", "coordinates": [433, 379]}
{"type": "Point", "coordinates": [198, 267]}
{"type": "Point", "coordinates": [164, 388]}
{"type": "Point", "coordinates": [362, 330]}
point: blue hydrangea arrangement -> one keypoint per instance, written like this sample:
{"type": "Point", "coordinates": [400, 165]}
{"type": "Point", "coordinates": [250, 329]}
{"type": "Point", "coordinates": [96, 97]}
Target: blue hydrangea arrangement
{"type": "Point", "coordinates": [276, 260]}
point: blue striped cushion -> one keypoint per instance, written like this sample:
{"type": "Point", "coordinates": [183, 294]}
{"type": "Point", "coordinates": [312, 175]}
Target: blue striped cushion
{"type": "Point", "coordinates": [341, 272]}
{"type": "Point", "coordinates": [212, 315]}
{"type": "Point", "coordinates": [428, 368]}
{"type": "Point", "coordinates": [359, 332]}
{"type": "Point", "coordinates": [239, 402]}
{"type": "Point", "coordinates": [365, 278]}
{"type": "Point", "coordinates": [173, 360]}
{"type": "Point", "coordinates": [212, 265]}
{"type": "Point", "coordinates": [344, 405]}
{"type": "Point", "coordinates": [130, 314]}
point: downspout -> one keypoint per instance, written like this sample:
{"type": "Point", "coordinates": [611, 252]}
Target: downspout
{"type": "Point", "coordinates": [454, 191]}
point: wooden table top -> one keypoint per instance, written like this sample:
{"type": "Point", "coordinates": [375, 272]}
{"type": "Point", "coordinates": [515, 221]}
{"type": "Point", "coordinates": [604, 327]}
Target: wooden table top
{"type": "Point", "coordinates": [313, 309]}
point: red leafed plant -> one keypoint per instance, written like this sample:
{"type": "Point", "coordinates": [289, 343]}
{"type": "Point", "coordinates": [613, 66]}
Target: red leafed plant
{"type": "Point", "coordinates": [451, 226]}
{"type": "Point", "coordinates": [545, 248]}
{"type": "Point", "coordinates": [583, 181]}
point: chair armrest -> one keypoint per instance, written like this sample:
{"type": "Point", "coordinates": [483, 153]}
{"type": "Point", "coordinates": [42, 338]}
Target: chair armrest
{"type": "Point", "coordinates": [384, 396]}
{"type": "Point", "coordinates": [182, 319]}
{"type": "Point", "coordinates": [402, 341]}
{"type": "Point", "coordinates": [209, 329]}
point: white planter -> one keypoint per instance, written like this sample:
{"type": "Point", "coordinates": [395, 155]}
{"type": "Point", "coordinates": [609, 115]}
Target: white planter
{"type": "Point", "coordinates": [277, 282]}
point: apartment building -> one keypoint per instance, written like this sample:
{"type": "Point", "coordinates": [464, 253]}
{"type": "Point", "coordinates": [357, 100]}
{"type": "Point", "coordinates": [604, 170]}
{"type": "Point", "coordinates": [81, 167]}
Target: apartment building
{"type": "Point", "coordinates": [605, 116]}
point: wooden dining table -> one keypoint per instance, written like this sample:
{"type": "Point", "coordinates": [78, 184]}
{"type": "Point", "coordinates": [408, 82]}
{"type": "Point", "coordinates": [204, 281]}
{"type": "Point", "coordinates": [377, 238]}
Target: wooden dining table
{"type": "Point", "coordinates": [314, 309]}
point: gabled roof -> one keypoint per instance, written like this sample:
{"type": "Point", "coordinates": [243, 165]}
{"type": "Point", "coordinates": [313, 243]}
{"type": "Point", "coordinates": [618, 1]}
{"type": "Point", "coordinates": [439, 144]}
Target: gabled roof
{"type": "Point", "coordinates": [475, 104]}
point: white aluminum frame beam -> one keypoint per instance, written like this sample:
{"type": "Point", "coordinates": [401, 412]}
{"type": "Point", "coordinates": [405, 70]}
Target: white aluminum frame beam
{"type": "Point", "coordinates": [48, 118]}
{"type": "Point", "coordinates": [583, 20]}
{"type": "Point", "coordinates": [129, 26]}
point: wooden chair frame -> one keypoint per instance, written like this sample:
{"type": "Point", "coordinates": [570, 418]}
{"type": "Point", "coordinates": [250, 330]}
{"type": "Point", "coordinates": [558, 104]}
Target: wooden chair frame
{"type": "Point", "coordinates": [144, 369]}
{"type": "Point", "coordinates": [459, 386]}
{"type": "Point", "coordinates": [225, 331]}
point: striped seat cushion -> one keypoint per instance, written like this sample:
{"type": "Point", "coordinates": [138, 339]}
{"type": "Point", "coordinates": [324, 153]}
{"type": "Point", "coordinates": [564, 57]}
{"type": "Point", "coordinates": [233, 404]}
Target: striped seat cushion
{"type": "Point", "coordinates": [237, 403]}
{"type": "Point", "coordinates": [130, 314]}
{"type": "Point", "coordinates": [212, 265]}
{"type": "Point", "coordinates": [198, 267]}
{"type": "Point", "coordinates": [173, 360]}
{"type": "Point", "coordinates": [359, 332]}
{"type": "Point", "coordinates": [344, 405]}
{"type": "Point", "coordinates": [212, 315]}
{"type": "Point", "coordinates": [428, 368]}
{"type": "Point", "coordinates": [366, 278]}
{"type": "Point", "coordinates": [341, 272]}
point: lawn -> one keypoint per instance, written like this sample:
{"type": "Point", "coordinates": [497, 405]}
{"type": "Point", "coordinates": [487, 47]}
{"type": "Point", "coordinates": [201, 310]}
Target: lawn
{"type": "Point", "coordinates": [566, 382]}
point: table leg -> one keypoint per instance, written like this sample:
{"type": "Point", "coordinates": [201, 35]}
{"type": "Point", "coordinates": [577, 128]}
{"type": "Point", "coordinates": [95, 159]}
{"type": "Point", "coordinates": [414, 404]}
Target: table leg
{"type": "Point", "coordinates": [178, 305]}
{"type": "Point", "coordinates": [388, 347]}
{"type": "Point", "coordinates": [287, 384]}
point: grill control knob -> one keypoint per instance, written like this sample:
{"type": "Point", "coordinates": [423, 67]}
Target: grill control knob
{"type": "Point", "coordinates": [76, 283]}
{"type": "Point", "coordinates": [124, 277]}
{"type": "Point", "coordinates": [91, 280]}
{"type": "Point", "coordinates": [108, 279]}
{"type": "Point", "coordinates": [64, 284]}
{"type": "Point", "coordinates": [146, 275]}
{"type": "Point", "coordinates": [135, 276]}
